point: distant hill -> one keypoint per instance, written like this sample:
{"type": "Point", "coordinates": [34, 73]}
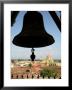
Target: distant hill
{"type": "Point", "coordinates": [57, 60]}
{"type": "Point", "coordinates": [25, 60]}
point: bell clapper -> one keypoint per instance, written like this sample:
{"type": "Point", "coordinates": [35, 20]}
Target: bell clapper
{"type": "Point", "coordinates": [32, 55]}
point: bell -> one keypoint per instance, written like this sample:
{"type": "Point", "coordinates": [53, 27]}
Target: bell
{"type": "Point", "coordinates": [33, 34]}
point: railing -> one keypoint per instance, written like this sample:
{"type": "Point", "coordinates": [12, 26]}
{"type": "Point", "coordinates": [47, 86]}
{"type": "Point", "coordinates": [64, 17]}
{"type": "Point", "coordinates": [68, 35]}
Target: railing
{"type": "Point", "coordinates": [14, 76]}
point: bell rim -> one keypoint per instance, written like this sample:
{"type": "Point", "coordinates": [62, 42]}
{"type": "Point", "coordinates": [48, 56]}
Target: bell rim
{"type": "Point", "coordinates": [34, 42]}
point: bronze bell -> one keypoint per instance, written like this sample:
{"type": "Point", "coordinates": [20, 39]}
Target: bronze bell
{"type": "Point", "coordinates": [33, 33]}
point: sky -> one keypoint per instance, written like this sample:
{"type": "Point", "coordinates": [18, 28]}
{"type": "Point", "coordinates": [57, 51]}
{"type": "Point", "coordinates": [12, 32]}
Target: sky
{"type": "Point", "coordinates": [53, 50]}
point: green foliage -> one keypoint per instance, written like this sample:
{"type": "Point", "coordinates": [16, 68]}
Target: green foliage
{"type": "Point", "coordinates": [44, 72]}
{"type": "Point", "coordinates": [30, 65]}
{"type": "Point", "coordinates": [47, 72]}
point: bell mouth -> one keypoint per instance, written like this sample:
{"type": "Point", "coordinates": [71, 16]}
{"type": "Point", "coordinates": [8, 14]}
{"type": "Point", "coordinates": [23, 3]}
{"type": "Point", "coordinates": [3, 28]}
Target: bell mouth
{"type": "Point", "coordinates": [33, 41]}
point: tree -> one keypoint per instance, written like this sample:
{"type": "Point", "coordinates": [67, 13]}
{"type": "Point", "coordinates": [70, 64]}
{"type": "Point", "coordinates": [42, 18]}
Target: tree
{"type": "Point", "coordinates": [30, 65]}
{"type": "Point", "coordinates": [51, 73]}
{"type": "Point", "coordinates": [45, 72]}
